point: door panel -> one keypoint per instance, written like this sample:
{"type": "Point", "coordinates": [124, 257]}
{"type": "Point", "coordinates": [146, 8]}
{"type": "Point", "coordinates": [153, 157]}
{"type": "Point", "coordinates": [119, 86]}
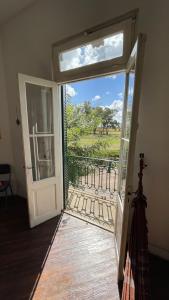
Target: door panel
{"type": "Point", "coordinates": [42, 139]}
{"type": "Point", "coordinates": [127, 151]}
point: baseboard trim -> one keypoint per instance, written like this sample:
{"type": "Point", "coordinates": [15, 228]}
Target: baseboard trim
{"type": "Point", "coordinates": [163, 253]}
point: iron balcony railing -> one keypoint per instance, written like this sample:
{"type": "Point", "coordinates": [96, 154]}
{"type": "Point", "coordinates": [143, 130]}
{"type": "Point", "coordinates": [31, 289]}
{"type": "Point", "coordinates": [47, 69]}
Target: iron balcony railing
{"type": "Point", "coordinates": [98, 175]}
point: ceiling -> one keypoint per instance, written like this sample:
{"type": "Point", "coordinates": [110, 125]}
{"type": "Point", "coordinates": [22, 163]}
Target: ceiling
{"type": "Point", "coordinates": [9, 8]}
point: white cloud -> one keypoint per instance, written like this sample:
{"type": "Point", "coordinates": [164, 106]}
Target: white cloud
{"type": "Point", "coordinates": [70, 91]}
{"type": "Point", "coordinates": [118, 116]}
{"type": "Point", "coordinates": [113, 76]}
{"type": "Point", "coordinates": [118, 106]}
{"type": "Point", "coordinates": [70, 59]}
{"type": "Point", "coordinates": [100, 50]}
{"type": "Point", "coordinates": [120, 95]}
{"type": "Point", "coordinates": [97, 97]}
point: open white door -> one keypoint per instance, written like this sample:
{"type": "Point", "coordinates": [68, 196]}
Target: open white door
{"type": "Point", "coordinates": [127, 152]}
{"type": "Point", "coordinates": [42, 139]}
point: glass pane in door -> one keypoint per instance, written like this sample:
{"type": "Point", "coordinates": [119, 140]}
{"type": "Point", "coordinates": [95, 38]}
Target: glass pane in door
{"type": "Point", "coordinates": [42, 155]}
{"type": "Point", "coordinates": [41, 131]}
{"type": "Point", "coordinates": [127, 125]}
{"type": "Point", "coordinates": [126, 133]}
{"type": "Point", "coordinates": [40, 109]}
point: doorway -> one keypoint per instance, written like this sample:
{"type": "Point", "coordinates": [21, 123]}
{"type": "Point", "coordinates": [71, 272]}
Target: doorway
{"type": "Point", "coordinates": [44, 148]}
{"type": "Point", "coordinates": [92, 132]}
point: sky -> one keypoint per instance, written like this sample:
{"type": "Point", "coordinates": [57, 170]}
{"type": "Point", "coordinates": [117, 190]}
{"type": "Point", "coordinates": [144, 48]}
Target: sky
{"type": "Point", "coordinates": [102, 49]}
{"type": "Point", "coordinates": [107, 91]}
{"type": "Point", "coordinates": [104, 91]}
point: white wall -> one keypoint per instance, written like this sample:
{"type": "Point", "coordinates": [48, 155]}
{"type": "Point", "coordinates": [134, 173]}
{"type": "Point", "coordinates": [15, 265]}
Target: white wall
{"type": "Point", "coordinates": [27, 43]}
{"type": "Point", "coordinates": [5, 137]}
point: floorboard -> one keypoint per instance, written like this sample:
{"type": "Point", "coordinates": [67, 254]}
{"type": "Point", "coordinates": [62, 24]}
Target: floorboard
{"type": "Point", "coordinates": [22, 250]}
{"type": "Point", "coordinates": [81, 264]}
{"type": "Point", "coordinates": [77, 262]}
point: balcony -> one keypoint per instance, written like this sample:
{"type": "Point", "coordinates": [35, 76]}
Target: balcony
{"type": "Point", "coordinates": [92, 190]}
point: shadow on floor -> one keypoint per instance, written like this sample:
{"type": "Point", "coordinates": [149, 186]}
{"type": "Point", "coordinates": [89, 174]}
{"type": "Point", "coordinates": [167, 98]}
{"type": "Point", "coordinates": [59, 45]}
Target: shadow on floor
{"type": "Point", "coordinates": [159, 278]}
{"type": "Point", "coordinates": [91, 208]}
{"type": "Point", "coordinates": [22, 250]}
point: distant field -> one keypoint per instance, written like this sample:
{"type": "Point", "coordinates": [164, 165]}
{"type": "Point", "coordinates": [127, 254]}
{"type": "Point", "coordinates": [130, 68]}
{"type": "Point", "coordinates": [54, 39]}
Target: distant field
{"type": "Point", "coordinates": [112, 142]}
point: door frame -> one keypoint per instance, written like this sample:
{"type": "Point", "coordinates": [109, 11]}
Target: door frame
{"type": "Point", "coordinates": [126, 208]}
{"type": "Point", "coordinates": [131, 151]}
{"type": "Point", "coordinates": [134, 127]}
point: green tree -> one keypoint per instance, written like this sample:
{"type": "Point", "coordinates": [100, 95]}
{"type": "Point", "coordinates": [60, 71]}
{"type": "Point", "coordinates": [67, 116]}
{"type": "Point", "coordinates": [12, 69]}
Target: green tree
{"type": "Point", "coordinates": [108, 118]}
{"type": "Point", "coordinates": [73, 131]}
{"type": "Point", "coordinates": [96, 120]}
{"type": "Point", "coordinates": [83, 120]}
{"type": "Point", "coordinates": [116, 124]}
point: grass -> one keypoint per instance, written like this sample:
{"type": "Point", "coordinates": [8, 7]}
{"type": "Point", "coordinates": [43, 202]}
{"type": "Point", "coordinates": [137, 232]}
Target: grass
{"type": "Point", "coordinates": [112, 143]}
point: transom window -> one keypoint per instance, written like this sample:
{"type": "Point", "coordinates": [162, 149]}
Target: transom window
{"type": "Point", "coordinates": [102, 49]}
{"type": "Point", "coordinates": [97, 51]}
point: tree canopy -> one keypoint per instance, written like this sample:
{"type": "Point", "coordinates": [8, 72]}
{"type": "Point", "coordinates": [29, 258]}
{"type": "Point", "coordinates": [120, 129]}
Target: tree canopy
{"type": "Point", "coordinates": [85, 119]}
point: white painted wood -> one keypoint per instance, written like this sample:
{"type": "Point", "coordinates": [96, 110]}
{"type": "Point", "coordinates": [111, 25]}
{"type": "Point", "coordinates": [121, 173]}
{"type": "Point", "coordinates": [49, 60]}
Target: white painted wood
{"type": "Point", "coordinates": [123, 208]}
{"type": "Point", "coordinates": [45, 197]}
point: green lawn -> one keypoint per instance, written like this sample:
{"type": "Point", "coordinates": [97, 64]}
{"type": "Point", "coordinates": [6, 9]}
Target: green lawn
{"type": "Point", "coordinates": [111, 143]}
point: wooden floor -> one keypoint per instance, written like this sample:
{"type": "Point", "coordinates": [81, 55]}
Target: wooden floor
{"type": "Point", "coordinates": [80, 260]}
{"type": "Point", "coordinates": [22, 251]}
{"type": "Point", "coordinates": [159, 278]}
{"type": "Point", "coordinates": [81, 264]}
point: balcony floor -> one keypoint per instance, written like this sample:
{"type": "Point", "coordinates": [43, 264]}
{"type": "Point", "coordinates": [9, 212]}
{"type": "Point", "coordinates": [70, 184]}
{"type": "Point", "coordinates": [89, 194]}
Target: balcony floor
{"type": "Point", "coordinates": [91, 208]}
{"type": "Point", "coordinates": [81, 264]}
